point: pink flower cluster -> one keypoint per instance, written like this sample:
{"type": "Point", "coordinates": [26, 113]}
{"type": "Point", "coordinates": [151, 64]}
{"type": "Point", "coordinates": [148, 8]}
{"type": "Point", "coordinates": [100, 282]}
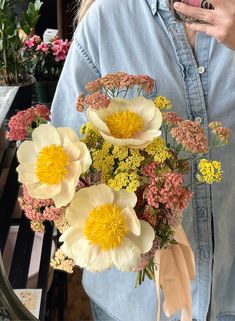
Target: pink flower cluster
{"type": "Point", "coordinates": [171, 119]}
{"type": "Point", "coordinates": [121, 80]}
{"type": "Point", "coordinates": [222, 133]}
{"type": "Point", "coordinates": [60, 49]}
{"type": "Point", "coordinates": [96, 101]}
{"type": "Point", "coordinates": [191, 136]}
{"type": "Point", "coordinates": [33, 41]}
{"type": "Point", "coordinates": [20, 123]}
{"type": "Point", "coordinates": [45, 60]}
{"type": "Point", "coordinates": [166, 193]}
{"type": "Point", "coordinates": [38, 210]}
{"type": "Point", "coordinates": [43, 47]}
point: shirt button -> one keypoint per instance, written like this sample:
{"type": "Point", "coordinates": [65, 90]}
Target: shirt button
{"type": "Point", "coordinates": [198, 119]}
{"type": "Point", "coordinates": [201, 69]}
{"type": "Point", "coordinates": [190, 72]}
{"type": "Point", "coordinates": [204, 254]}
{"type": "Point", "coordinates": [201, 212]}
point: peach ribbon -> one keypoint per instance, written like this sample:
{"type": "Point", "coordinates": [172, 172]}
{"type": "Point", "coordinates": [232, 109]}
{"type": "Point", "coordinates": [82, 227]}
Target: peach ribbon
{"type": "Point", "coordinates": [175, 268]}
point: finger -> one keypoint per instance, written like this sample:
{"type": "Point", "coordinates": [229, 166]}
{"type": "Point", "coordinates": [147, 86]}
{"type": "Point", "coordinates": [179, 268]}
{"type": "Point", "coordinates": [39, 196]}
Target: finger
{"type": "Point", "coordinates": [215, 3]}
{"type": "Point", "coordinates": [195, 13]}
{"type": "Point", "coordinates": [205, 28]}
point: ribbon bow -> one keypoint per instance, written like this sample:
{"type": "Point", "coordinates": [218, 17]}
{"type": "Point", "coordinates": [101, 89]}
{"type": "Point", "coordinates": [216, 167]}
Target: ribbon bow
{"type": "Point", "coordinates": [175, 268]}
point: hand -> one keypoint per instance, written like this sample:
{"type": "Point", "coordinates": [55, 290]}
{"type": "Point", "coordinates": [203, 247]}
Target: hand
{"type": "Point", "coordinates": [219, 23]}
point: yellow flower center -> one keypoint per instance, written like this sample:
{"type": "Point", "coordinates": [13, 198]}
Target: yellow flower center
{"type": "Point", "coordinates": [51, 165]}
{"type": "Point", "coordinates": [106, 226]}
{"type": "Point", "coordinates": [124, 124]}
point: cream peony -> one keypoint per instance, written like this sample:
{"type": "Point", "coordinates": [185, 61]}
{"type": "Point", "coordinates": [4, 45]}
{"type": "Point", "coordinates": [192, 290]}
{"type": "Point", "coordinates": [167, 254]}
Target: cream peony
{"type": "Point", "coordinates": [51, 164]}
{"type": "Point", "coordinates": [104, 230]}
{"type": "Point", "coordinates": [134, 123]}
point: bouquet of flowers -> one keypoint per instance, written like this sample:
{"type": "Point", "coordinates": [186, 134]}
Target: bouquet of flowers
{"type": "Point", "coordinates": [44, 60]}
{"type": "Point", "coordinates": [121, 186]}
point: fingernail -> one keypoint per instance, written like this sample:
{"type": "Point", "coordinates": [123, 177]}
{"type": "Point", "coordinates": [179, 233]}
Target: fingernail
{"type": "Point", "coordinates": [176, 5]}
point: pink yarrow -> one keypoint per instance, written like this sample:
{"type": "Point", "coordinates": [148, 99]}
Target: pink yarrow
{"type": "Point", "coordinates": [191, 136]}
{"type": "Point", "coordinates": [97, 101]}
{"type": "Point", "coordinates": [38, 210]}
{"type": "Point", "coordinates": [171, 119]}
{"type": "Point", "coordinates": [20, 123]}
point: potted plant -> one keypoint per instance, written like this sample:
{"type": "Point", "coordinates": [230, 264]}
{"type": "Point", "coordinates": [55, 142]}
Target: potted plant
{"type": "Point", "coordinates": [13, 32]}
{"type": "Point", "coordinates": [45, 62]}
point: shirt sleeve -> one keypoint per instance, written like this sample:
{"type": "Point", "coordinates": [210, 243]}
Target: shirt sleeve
{"type": "Point", "coordinates": [77, 71]}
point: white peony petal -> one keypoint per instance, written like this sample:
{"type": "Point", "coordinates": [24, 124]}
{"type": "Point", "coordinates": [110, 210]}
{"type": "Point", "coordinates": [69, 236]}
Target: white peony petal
{"type": "Point", "coordinates": [66, 194]}
{"type": "Point", "coordinates": [74, 172]}
{"type": "Point", "coordinates": [144, 242]}
{"type": "Point", "coordinates": [131, 142]}
{"type": "Point", "coordinates": [68, 133]}
{"type": "Point", "coordinates": [102, 262]}
{"type": "Point", "coordinates": [144, 107]}
{"type": "Point", "coordinates": [83, 252]}
{"type": "Point", "coordinates": [71, 149]}
{"type": "Point", "coordinates": [69, 237]}
{"type": "Point", "coordinates": [126, 256]}
{"type": "Point", "coordinates": [26, 152]}
{"type": "Point", "coordinates": [124, 198]}
{"type": "Point", "coordinates": [116, 105]}
{"type": "Point", "coordinates": [84, 157]}
{"type": "Point", "coordinates": [132, 220]}
{"type": "Point", "coordinates": [44, 191]}
{"type": "Point", "coordinates": [97, 194]}
{"type": "Point", "coordinates": [156, 122]}
{"type": "Point", "coordinates": [96, 121]}
{"type": "Point", "coordinates": [78, 211]}
{"type": "Point", "coordinates": [149, 135]}
{"type": "Point", "coordinates": [45, 135]}
{"type": "Point", "coordinates": [26, 173]}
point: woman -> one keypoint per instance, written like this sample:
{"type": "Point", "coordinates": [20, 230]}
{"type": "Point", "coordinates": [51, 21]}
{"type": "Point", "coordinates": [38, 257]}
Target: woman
{"type": "Point", "coordinates": [196, 71]}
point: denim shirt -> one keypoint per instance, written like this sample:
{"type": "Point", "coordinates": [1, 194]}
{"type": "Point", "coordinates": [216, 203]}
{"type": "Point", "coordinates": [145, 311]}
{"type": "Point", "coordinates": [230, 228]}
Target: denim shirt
{"type": "Point", "coordinates": [142, 37]}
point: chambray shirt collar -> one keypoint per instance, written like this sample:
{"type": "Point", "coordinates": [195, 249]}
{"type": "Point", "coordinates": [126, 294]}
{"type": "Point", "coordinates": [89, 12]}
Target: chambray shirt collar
{"type": "Point", "coordinates": [158, 4]}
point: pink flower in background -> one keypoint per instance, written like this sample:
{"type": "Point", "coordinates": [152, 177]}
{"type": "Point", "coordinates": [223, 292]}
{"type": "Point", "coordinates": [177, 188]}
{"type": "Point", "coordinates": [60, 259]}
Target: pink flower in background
{"type": "Point", "coordinates": [20, 125]}
{"type": "Point", "coordinates": [33, 41]}
{"type": "Point", "coordinates": [60, 49]}
{"type": "Point", "coordinates": [43, 47]}
{"type": "Point", "coordinates": [45, 60]}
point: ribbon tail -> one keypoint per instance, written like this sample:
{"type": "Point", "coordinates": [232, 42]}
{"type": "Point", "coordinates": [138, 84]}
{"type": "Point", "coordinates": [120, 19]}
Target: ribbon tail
{"type": "Point", "coordinates": [175, 269]}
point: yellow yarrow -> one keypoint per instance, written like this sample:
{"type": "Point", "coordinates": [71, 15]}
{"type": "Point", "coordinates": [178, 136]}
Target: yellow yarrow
{"type": "Point", "coordinates": [124, 180]}
{"type": "Point", "coordinates": [119, 181]}
{"type": "Point", "coordinates": [209, 171]}
{"type": "Point", "coordinates": [91, 135]}
{"type": "Point", "coordinates": [132, 162]}
{"type": "Point", "coordinates": [134, 182]}
{"type": "Point", "coordinates": [158, 150]}
{"type": "Point", "coordinates": [120, 152]}
{"type": "Point", "coordinates": [162, 103]}
{"type": "Point", "coordinates": [100, 155]}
